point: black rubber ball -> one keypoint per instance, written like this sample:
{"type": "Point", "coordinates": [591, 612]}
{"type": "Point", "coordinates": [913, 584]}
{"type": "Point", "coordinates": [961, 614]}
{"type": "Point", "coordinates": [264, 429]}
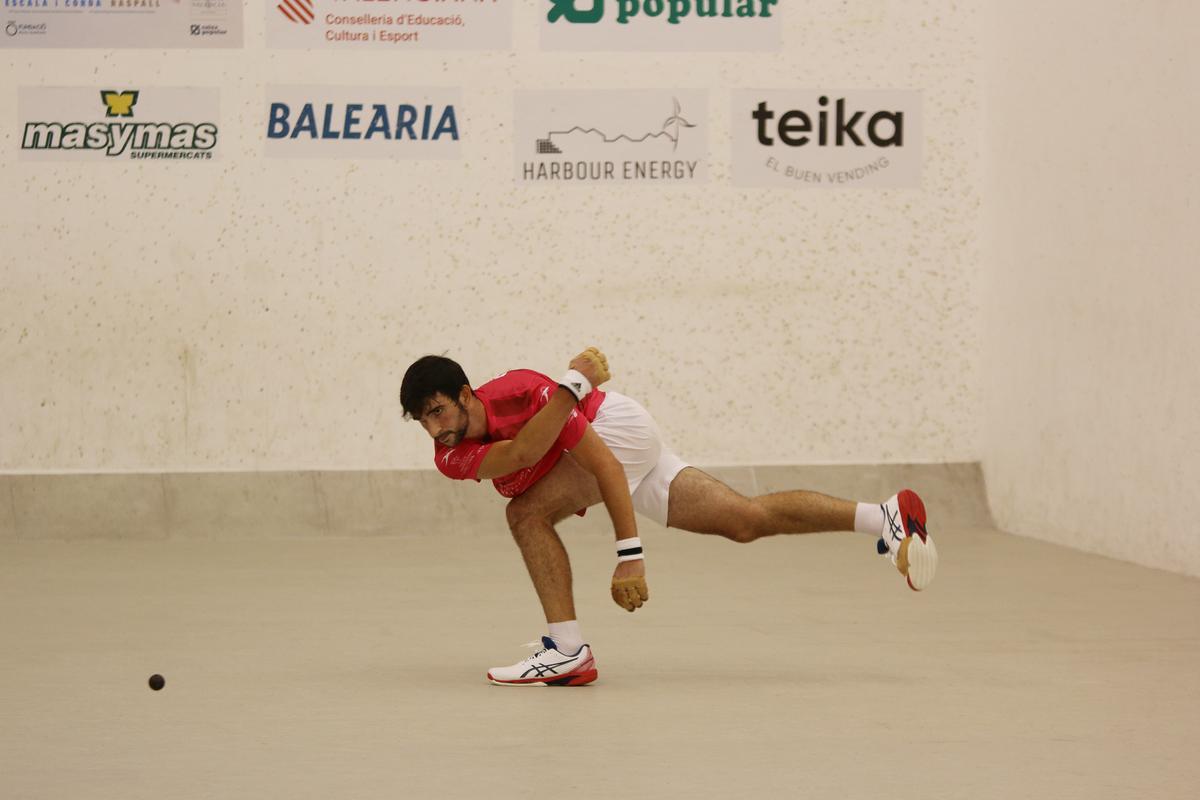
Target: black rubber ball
{"type": "Point", "coordinates": [157, 682]}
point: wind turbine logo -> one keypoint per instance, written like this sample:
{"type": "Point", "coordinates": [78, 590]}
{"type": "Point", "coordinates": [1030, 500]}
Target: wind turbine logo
{"type": "Point", "coordinates": [671, 126]}
{"type": "Point", "coordinates": [670, 130]}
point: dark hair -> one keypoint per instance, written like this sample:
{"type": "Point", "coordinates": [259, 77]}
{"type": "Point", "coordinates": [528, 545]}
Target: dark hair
{"type": "Point", "coordinates": [430, 375]}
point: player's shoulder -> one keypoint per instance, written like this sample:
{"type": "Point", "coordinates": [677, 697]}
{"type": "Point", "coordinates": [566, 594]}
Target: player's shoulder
{"type": "Point", "coordinates": [514, 381]}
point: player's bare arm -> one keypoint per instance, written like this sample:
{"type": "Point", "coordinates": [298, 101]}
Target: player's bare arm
{"type": "Point", "coordinates": [540, 433]}
{"type": "Point", "coordinates": [445, 420]}
{"type": "Point", "coordinates": [629, 588]}
{"type": "Point", "coordinates": [532, 442]}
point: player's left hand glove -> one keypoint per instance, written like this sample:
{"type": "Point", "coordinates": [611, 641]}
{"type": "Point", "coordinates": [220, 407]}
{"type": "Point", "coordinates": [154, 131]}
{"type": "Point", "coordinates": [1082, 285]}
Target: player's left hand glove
{"type": "Point", "coordinates": [629, 589]}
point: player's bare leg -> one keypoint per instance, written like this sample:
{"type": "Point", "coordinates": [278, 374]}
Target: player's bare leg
{"type": "Point", "coordinates": [532, 517]}
{"type": "Point", "coordinates": [700, 503]}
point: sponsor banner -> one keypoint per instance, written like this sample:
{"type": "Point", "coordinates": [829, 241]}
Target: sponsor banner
{"type": "Point", "coordinates": [825, 138]}
{"type": "Point", "coordinates": [362, 122]}
{"type": "Point", "coordinates": [97, 124]}
{"type": "Point", "coordinates": [599, 137]}
{"type": "Point", "coordinates": [121, 23]}
{"type": "Point", "coordinates": [390, 24]}
{"type": "Point", "coordinates": [679, 25]}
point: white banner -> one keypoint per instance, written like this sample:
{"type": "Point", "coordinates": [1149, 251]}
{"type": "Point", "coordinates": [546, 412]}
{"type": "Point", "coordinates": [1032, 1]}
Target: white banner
{"type": "Point", "coordinates": [390, 24]}
{"type": "Point", "coordinates": [825, 138]}
{"type": "Point", "coordinates": [118, 124]}
{"type": "Point", "coordinates": [121, 23]}
{"type": "Point", "coordinates": [362, 122]}
{"type": "Point", "coordinates": [597, 137]}
{"type": "Point", "coordinates": [672, 25]}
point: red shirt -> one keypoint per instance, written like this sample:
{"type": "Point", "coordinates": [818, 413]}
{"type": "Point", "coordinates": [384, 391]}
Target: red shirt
{"type": "Point", "coordinates": [510, 401]}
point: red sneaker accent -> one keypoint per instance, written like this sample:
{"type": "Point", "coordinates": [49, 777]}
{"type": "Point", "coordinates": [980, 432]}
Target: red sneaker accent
{"type": "Point", "coordinates": [575, 679]}
{"type": "Point", "coordinates": [912, 514]}
{"type": "Point", "coordinates": [570, 679]}
{"type": "Point", "coordinates": [584, 673]}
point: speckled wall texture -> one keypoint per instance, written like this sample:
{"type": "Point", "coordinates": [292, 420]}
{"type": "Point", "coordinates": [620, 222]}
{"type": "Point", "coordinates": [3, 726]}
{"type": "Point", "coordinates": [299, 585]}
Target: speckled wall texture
{"type": "Point", "coordinates": [258, 313]}
{"type": "Point", "coordinates": [1092, 434]}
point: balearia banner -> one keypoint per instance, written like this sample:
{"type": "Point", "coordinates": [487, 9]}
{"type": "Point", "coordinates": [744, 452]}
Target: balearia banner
{"type": "Point", "coordinates": [362, 122]}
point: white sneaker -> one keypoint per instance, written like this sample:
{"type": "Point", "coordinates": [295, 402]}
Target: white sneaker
{"type": "Point", "coordinates": [547, 667]}
{"type": "Point", "coordinates": [907, 542]}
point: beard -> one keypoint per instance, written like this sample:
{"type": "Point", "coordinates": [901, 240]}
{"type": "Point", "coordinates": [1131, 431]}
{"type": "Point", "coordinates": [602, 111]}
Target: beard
{"type": "Point", "coordinates": [455, 436]}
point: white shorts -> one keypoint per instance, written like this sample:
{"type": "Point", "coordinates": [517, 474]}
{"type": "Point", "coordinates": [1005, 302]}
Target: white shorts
{"type": "Point", "coordinates": [633, 437]}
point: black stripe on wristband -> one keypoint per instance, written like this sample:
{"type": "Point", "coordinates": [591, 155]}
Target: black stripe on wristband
{"type": "Point", "coordinates": [632, 551]}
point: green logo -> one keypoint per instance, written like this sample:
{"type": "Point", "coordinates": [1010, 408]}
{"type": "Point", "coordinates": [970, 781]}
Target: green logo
{"type": "Point", "coordinates": [566, 8]}
{"type": "Point", "coordinates": [674, 10]}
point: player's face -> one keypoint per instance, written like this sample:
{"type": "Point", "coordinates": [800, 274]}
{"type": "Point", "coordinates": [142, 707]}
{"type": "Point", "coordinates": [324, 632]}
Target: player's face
{"type": "Point", "coordinates": [445, 419]}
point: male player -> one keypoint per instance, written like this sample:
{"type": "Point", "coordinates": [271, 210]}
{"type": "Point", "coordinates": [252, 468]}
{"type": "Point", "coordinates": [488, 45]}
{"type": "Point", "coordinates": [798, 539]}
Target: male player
{"type": "Point", "coordinates": [557, 447]}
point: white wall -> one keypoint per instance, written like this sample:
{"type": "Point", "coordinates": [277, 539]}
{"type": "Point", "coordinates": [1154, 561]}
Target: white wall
{"type": "Point", "coordinates": [1093, 365]}
{"type": "Point", "coordinates": [259, 314]}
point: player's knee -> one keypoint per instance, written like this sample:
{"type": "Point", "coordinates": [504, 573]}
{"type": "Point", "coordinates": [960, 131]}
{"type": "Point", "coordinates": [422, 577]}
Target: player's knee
{"type": "Point", "coordinates": [741, 534]}
{"type": "Point", "coordinates": [515, 513]}
{"type": "Point", "coordinates": [738, 534]}
{"type": "Point", "coordinates": [520, 514]}
{"type": "Point", "coordinates": [747, 524]}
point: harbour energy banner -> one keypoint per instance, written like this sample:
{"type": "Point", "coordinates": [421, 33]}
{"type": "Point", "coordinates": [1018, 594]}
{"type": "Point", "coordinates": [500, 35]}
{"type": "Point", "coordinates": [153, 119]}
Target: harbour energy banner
{"type": "Point", "coordinates": [656, 137]}
{"type": "Point", "coordinates": [394, 25]}
{"type": "Point", "coordinates": [120, 24]}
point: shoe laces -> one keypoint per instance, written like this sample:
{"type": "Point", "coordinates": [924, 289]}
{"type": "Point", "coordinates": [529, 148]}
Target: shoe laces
{"type": "Point", "coordinates": [536, 646]}
{"type": "Point", "coordinates": [894, 530]}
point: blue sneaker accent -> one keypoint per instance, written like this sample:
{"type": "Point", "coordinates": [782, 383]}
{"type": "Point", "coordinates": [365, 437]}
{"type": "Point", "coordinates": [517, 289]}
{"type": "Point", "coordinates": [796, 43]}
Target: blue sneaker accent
{"type": "Point", "coordinates": [548, 643]}
{"type": "Point", "coordinates": [881, 547]}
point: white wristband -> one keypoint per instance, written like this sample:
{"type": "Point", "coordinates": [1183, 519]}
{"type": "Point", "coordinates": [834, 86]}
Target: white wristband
{"type": "Point", "coordinates": [629, 549]}
{"type": "Point", "coordinates": [576, 384]}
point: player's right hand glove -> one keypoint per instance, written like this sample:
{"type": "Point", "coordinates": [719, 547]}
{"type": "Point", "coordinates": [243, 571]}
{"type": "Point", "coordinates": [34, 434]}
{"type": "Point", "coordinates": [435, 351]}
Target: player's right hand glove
{"type": "Point", "coordinates": [593, 365]}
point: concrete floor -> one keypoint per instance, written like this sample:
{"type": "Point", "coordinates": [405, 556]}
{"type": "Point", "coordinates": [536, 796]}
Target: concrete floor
{"type": "Point", "coordinates": [792, 667]}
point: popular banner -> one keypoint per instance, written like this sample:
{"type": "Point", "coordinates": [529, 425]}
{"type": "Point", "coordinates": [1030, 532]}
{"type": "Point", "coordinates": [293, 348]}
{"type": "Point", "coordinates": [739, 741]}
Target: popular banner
{"type": "Point", "coordinates": [677, 25]}
{"type": "Point", "coordinates": [118, 124]}
{"type": "Point", "coordinates": [362, 122]}
{"type": "Point", "coordinates": [597, 137]}
{"type": "Point", "coordinates": [121, 23]}
{"type": "Point", "coordinates": [390, 24]}
{"type": "Point", "coordinates": [826, 138]}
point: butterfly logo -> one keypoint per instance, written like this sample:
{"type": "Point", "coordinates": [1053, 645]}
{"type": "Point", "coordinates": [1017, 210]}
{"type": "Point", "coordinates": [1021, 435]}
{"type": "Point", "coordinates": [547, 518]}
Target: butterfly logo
{"type": "Point", "coordinates": [120, 104]}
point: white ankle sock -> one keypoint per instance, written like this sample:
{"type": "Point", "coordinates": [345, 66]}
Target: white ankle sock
{"type": "Point", "coordinates": [868, 518]}
{"type": "Point", "coordinates": [567, 636]}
